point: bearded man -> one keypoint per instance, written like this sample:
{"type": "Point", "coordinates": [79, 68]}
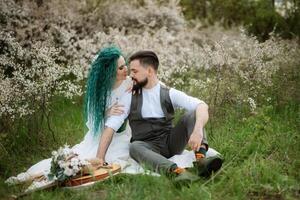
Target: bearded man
{"type": "Point", "coordinates": [150, 111]}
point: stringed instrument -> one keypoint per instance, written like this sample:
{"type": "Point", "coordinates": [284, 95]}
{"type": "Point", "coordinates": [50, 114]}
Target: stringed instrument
{"type": "Point", "coordinates": [99, 174]}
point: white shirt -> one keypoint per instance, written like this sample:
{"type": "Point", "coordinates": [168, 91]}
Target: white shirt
{"type": "Point", "coordinates": [151, 107]}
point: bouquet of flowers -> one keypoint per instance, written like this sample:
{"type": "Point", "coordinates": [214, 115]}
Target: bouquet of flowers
{"type": "Point", "coordinates": [66, 164]}
{"type": "Point", "coordinates": [67, 169]}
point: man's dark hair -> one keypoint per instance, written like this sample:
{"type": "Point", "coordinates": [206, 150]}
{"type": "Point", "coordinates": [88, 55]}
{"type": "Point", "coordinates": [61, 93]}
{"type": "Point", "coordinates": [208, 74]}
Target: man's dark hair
{"type": "Point", "coordinates": [146, 58]}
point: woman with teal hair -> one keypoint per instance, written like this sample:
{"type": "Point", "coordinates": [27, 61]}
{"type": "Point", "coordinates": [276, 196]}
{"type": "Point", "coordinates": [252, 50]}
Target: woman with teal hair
{"type": "Point", "coordinates": [107, 73]}
{"type": "Point", "coordinates": [107, 84]}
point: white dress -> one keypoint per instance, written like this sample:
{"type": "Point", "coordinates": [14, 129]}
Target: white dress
{"type": "Point", "coordinates": [118, 151]}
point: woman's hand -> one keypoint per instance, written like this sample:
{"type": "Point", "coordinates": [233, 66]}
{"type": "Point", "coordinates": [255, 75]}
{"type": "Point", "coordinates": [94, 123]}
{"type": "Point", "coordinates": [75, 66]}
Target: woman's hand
{"type": "Point", "coordinates": [115, 109]}
{"type": "Point", "coordinates": [94, 164]}
{"type": "Point", "coordinates": [97, 162]}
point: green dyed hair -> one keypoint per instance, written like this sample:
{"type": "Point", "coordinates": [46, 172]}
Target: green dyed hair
{"type": "Point", "coordinates": [100, 81]}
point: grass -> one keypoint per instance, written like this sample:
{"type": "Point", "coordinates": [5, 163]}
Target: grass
{"type": "Point", "coordinates": [261, 154]}
{"type": "Point", "coordinates": [22, 147]}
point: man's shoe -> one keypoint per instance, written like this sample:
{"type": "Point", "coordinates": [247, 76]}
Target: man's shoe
{"type": "Point", "coordinates": [185, 178]}
{"type": "Point", "coordinates": [182, 177]}
{"type": "Point", "coordinates": [205, 166]}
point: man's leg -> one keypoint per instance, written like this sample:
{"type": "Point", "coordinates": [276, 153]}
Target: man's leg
{"type": "Point", "coordinates": [181, 133]}
{"type": "Point", "coordinates": [149, 155]}
{"type": "Point", "coordinates": [179, 138]}
{"type": "Point", "coordinates": [146, 153]}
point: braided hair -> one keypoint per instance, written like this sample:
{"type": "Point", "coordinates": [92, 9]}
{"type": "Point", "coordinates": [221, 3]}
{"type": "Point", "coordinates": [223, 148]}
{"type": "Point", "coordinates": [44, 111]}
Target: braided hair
{"type": "Point", "coordinates": [101, 78]}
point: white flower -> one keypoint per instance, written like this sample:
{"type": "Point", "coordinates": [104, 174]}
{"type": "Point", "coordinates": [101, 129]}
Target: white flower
{"type": "Point", "coordinates": [84, 162]}
{"type": "Point", "coordinates": [54, 153]}
{"type": "Point", "coordinates": [252, 104]}
{"type": "Point", "coordinates": [68, 171]}
{"type": "Point", "coordinates": [76, 169]}
{"type": "Point", "coordinates": [74, 161]}
{"type": "Point", "coordinates": [63, 164]}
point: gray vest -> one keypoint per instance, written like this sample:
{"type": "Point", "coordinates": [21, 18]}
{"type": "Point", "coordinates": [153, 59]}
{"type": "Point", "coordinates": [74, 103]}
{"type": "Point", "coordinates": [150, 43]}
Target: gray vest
{"type": "Point", "coordinates": [151, 129]}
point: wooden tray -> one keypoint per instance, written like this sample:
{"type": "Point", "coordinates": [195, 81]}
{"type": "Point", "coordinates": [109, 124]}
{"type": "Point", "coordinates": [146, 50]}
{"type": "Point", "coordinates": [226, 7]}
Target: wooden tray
{"type": "Point", "coordinates": [99, 174]}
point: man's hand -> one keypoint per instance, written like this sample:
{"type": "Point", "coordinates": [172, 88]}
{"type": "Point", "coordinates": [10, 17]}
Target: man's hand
{"type": "Point", "coordinates": [115, 109]}
{"type": "Point", "coordinates": [197, 134]}
{"type": "Point", "coordinates": [195, 140]}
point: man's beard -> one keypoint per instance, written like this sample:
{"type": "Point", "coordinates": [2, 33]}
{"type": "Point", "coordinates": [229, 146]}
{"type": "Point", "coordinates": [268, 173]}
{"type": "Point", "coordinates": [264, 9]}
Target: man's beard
{"type": "Point", "coordinates": [138, 85]}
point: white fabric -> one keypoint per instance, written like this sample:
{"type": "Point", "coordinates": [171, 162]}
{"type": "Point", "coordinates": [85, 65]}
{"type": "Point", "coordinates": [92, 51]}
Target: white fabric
{"type": "Point", "coordinates": [180, 99]}
{"type": "Point", "coordinates": [118, 151]}
{"type": "Point", "coordinates": [151, 107]}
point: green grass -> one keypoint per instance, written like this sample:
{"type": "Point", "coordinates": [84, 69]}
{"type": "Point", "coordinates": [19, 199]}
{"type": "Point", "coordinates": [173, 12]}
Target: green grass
{"type": "Point", "coordinates": [22, 147]}
{"type": "Point", "coordinates": [261, 154]}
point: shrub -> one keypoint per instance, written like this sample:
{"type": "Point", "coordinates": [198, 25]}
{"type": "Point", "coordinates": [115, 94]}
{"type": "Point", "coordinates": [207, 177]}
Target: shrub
{"type": "Point", "coordinates": [49, 55]}
{"type": "Point", "coordinates": [266, 20]}
{"type": "Point", "coordinates": [30, 77]}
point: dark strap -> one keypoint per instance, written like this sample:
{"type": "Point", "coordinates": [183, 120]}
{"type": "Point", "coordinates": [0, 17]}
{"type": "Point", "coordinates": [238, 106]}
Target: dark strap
{"type": "Point", "coordinates": [166, 103]}
{"type": "Point", "coordinates": [136, 106]}
{"type": "Point", "coordinates": [123, 126]}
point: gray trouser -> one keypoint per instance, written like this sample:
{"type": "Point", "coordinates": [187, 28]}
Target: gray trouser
{"type": "Point", "coordinates": [155, 156]}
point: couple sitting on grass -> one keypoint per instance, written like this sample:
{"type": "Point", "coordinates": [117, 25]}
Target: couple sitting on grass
{"type": "Point", "coordinates": [112, 99]}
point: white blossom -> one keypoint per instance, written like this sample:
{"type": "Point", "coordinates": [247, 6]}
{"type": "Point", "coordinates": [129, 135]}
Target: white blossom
{"type": "Point", "coordinates": [252, 104]}
{"type": "Point", "coordinates": [68, 171]}
{"type": "Point", "coordinates": [244, 66]}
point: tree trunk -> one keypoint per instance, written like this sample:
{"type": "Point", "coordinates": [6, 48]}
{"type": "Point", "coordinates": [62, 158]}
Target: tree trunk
{"type": "Point", "coordinates": [39, 3]}
{"type": "Point", "coordinates": [204, 11]}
